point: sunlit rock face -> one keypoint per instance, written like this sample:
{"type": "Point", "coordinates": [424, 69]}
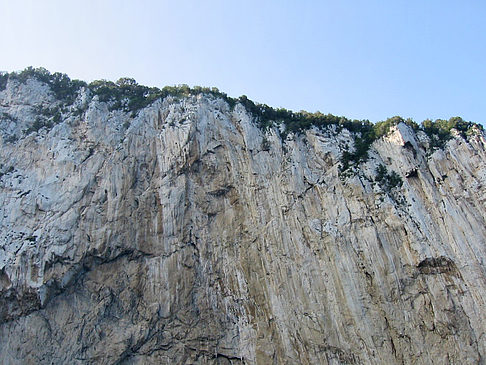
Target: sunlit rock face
{"type": "Point", "coordinates": [185, 234]}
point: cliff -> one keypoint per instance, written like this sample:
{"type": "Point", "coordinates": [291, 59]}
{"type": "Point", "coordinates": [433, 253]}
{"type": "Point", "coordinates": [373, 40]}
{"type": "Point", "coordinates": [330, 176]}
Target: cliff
{"type": "Point", "coordinates": [184, 233]}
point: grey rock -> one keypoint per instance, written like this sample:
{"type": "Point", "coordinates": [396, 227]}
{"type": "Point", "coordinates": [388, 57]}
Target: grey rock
{"type": "Point", "coordinates": [173, 236]}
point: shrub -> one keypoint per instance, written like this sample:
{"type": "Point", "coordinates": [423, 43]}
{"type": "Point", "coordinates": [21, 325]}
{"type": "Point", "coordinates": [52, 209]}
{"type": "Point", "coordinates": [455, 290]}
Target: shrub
{"type": "Point", "coordinates": [439, 131]}
{"type": "Point", "coordinates": [382, 128]}
{"type": "Point", "coordinates": [38, 124]}
{"type": "Point", "coordinates": [386, 180]}
{"type": "Point", "coordinates": [265, 144]}
{"type": "Point", "coordinates": [3, 80]}
{"type": "Point", "coordinates": [7, 117]}
{"type": "Point", "coordinates": [61, 85]}
{"type": "Point", "coordinates": [128, 95]}
{"type": "Point", "coordinates": [45, 118]}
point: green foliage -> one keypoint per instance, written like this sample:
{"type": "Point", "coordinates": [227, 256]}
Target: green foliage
{"type": "Point", "coordinates": [265, 144]}
{"type": "Point", "coordinates": [3, 80]}
{"type": "Point", "coordinates": [439, 131]}
{"type": "Point", "coordinates": [381, 172]}
{"type": "Point", "coordinates": [12, 138]}
{"type": "Point", "coordinates": [386, 180]}
{"type": "Point", "coordinates": [8, 171]}
{"type": "Point", "coordinates": [125, 93]}
{"type": "Point", "coordinates": [297, 122]}
{"type": "Point", "coordinates": [7, 117]}
{"type": "Point", "coordinates": [364, 132]}
{"type": "Point", "coordinates": [38, 124]}
{"type": "Point", "coordinates": [46, 118]}
{"type": "Point", "coordinates": [128, 95]}
{"type": "Point", "coordinates": [394, 180]}
{"type": "Point", "coordinates": [106, 90]}
{"type": "Point", "coordinates": [64, 88]}
{"type": "Point", "coordinates": [61, 85]}
{"type": "Point", "coordinates": [40, 74]}
{"type": "Point", "coordinates": [412, 124]}
{"type": "Point", "coordinates": [382, 128]}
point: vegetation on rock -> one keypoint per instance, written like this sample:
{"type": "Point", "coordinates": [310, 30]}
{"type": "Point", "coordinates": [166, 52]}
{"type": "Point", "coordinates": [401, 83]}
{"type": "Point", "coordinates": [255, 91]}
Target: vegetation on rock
{"type": "Point", "coordinates": [61, 85]}
{"type": "Point", "coordinates": [3, 80]}
{"type": "Point", "coordinates": [439, 131]}
{"type": "Point", "coordinates": [126, 94]}
{"type": "Point", "coordinates": [386, 180]}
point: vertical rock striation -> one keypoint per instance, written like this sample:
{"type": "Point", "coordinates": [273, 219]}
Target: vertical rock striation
{"type": "Point", "coordinates": [186, 234]}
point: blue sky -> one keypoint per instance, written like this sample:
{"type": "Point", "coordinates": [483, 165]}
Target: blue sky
{"type": "Point", "coordinates": [361, 59]}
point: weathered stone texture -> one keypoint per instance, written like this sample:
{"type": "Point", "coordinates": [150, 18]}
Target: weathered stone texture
{"type": "Point", "coordinates": [176, 237]}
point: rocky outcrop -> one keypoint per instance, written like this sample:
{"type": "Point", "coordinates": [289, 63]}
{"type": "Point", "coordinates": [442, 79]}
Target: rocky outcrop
{"type": "Point", "coordinates": [186, 234]}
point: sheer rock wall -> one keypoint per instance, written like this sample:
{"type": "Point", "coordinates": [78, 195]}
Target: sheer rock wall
{"type": "Point", "coordinates": [185, 234]}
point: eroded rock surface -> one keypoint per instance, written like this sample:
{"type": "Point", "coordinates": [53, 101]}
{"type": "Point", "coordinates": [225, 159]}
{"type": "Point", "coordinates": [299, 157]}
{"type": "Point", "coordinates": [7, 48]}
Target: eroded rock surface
{"type": "Point", "coordinates": [185, 234]}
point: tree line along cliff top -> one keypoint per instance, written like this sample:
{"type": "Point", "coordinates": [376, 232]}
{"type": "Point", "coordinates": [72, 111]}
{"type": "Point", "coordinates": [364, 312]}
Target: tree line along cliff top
{"type": "Point", "coordinates": [127, 95]}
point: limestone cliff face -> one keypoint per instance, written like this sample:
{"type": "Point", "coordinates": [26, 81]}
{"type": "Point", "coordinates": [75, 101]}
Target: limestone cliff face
{"type": "Point", "coordinates": [185, 234]}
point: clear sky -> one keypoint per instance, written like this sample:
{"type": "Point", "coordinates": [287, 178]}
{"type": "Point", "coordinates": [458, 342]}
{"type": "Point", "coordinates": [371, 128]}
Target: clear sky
{"type": "Point", "coordinates": [362, 59]}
